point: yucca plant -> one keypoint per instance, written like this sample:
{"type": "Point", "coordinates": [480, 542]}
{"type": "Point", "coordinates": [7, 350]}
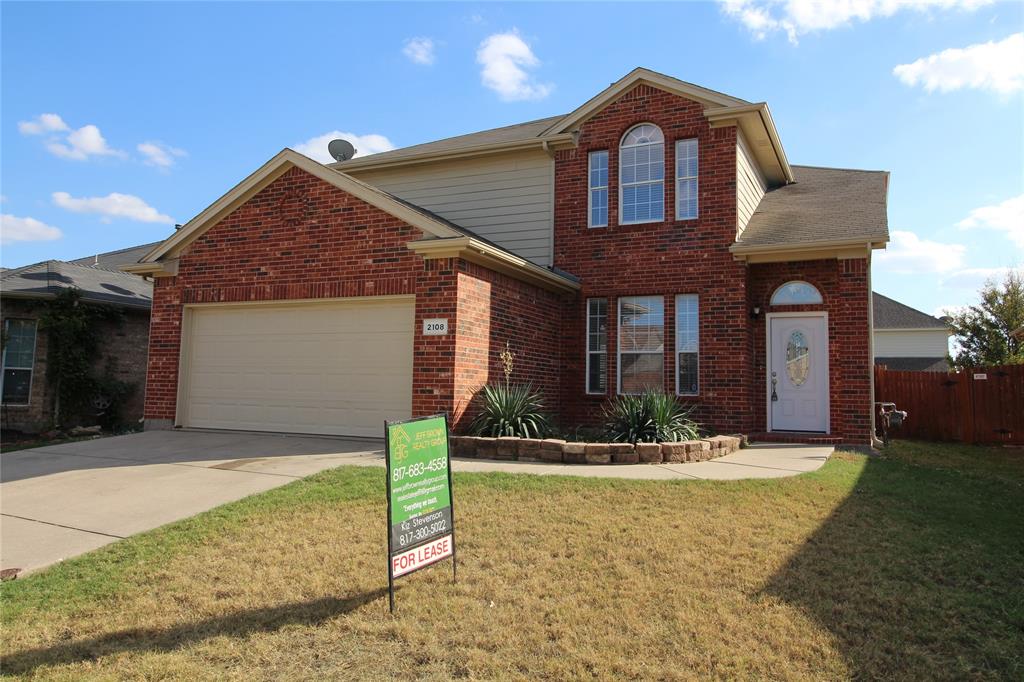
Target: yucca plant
{"type": "Point", "coordinates": [511, 410]}
{"type": "Point", "coordinates": [651, 417]}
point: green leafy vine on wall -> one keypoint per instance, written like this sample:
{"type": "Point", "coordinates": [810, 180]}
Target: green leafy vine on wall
{"type": "Point", "coordinates": [73, 333]}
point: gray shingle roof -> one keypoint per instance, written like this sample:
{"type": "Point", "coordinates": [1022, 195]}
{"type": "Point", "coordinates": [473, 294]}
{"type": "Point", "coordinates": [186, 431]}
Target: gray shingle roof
{"type": "Point", "coordinates": [823, 205]}
{"type": "Point", "coordinates": [112, 260]}
{"type": "Point", "coordinates": [512, 133]}
{"type": "Point", "coordinates": [890, 314]}
{"type": "Point", "coordinates": [97, 285]}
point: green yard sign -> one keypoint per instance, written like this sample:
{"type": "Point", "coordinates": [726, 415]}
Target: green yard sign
{"type": "Point", "coordinates": [419, 489]}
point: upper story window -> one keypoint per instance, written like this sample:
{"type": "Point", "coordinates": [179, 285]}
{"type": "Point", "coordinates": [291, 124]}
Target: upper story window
{"type": "Point", "coordinates": [18, 361]}
{"type": "Point", "coordinates": [598, 203]}
{"type": "Point", "coordinates": [796, 293]}
{"type": "Point", "coordinates": [686, 179]}
{"type": "Point", "coordinates": [642, 175]}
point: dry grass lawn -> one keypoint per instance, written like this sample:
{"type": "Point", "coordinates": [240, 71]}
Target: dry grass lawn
{"type": "Point", "coordinates": [908, 567]}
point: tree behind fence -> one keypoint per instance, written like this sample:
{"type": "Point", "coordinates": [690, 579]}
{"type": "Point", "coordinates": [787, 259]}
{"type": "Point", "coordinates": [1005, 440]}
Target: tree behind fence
{"type": "Point", "coordinates": [983, 405]}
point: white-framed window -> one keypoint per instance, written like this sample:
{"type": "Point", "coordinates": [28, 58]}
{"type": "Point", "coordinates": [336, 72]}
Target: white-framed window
{"type": "Point", "coordinates": [597, 204]}
{"type": "Point", "coordinates": [642, 175]}
{"type": "Point", "coordinates": [18, 360]}
{"type": "Point", "coordinates": [795, 293]}
{"type": "Point", "coordinates": [687, 344]}
{"type": "Point", "coordinates": [597, 345]}
{"type": "Point", "coordinates": [641, 346]}
{"type": "Point", "coordinates": [686, 179]}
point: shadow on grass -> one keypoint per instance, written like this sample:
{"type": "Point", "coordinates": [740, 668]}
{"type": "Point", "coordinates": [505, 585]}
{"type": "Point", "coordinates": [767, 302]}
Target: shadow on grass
{"type": "Point", "coordinates": [918, 574]}
{"type": "Point", "coordinates": [238, 624]}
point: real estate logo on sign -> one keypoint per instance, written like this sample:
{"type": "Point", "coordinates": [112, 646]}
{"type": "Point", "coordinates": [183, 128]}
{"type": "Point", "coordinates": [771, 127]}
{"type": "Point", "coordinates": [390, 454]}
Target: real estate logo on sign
{"type": "Point", "coordinates": [420, 523]}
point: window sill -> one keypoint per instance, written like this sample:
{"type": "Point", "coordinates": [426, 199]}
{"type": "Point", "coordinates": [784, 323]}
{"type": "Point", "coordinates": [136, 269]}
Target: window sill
{"type": "Point", "coordinates": [642, 222]}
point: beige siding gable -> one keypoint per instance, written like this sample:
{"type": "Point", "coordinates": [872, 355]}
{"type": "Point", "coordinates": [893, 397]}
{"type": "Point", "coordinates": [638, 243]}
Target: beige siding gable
{"type": "Point", "coordinates": [505, 198]}
{"type": "Point", "coordinates": [750, 184]}
{"type": "Point", "coordinates": [908, 343]}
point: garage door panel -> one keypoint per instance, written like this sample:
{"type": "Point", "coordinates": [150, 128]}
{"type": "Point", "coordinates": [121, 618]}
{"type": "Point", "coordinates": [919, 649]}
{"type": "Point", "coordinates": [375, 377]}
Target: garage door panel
{"type": "Point", "coordinates": [340, 368]}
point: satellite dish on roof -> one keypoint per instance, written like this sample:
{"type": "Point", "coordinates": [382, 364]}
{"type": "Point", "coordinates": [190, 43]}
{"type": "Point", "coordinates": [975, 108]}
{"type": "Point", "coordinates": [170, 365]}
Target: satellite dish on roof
{"type": "Point", "coordinates": [341, 150]}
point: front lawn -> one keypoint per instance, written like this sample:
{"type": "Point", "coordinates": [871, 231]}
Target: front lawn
{"type": "Point", "coordinates": [908, 566]}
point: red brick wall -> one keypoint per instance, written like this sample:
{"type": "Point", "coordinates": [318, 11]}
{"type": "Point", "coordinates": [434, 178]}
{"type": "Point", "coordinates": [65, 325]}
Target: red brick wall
{"type": "Point", "coordinates": [844, 288]}
{"type": "Point", "coordinates": [495, 309]}
{"type": "Point", "coordinates": [299, 238]}
{"type": "Point", "coordinates": [302, 238]}
{"type": "Point", "coordinates": [665, 258]}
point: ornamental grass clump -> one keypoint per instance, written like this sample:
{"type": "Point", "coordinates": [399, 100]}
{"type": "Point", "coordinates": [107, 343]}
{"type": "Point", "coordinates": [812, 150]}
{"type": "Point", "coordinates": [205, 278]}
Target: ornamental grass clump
{"type": "Point", "coordinates": [651, 417]}
{"type": "Point", "coordinates": [511, 410]}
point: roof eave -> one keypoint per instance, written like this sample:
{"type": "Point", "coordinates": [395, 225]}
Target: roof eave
{"type": "Point", "coordinates": [756, 122]}
{"type": "Point", "coordinates": [769, 253]}
{"type": "Point", "coordinates": [370, 163]}
{"type": "Point", "coordinates": [495, 258]}
{"type": "Point", "coordinates": [49, 296]}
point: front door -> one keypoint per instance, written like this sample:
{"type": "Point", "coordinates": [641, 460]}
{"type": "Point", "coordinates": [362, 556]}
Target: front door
{"type": "Point", "coordinates": [798, 373]}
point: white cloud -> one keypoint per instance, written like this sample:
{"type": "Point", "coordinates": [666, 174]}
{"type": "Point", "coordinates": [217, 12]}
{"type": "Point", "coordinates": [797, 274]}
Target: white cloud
{"type": "Point", "coordinates": [15, 229]}
{"type": "Point", "coordinates": [316, 147]}
{"type": "Point", "coordinates": [43, 123]}
{"type": "Point", "coordinates": [908, 254]}
{"type": "Point", "coordinates": [505, 58]}
{"type": "Point", "coordinates": [419, 50]}
{"type": "Point", "coordinates": [1007, 217]}
{"type": "Point", "coordinates": [114, 205]}
{"type": "Point", "coordinates": [159, 154]}
{"type": "Point", "coordinates": [973, 278]}
{"type": "Point", "coordinates": [82, 143]}
{"type": "Point", "coordinates": [996, 66]}
{"type": "Point", "coordinates": [798, 17]}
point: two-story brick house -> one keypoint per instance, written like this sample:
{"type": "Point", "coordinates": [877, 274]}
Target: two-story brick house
{"type": "Point", "coordinates": [655, 236]}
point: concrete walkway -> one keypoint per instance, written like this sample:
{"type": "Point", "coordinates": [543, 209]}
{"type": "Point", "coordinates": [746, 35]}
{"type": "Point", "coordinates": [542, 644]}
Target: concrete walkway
{"type": "Point", "coordinates": [60, 501]}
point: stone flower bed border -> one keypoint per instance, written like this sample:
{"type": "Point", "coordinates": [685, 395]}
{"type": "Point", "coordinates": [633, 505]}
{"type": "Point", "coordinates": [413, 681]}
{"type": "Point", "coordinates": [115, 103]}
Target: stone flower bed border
{"type": "Point", "coordinates": [555, 450]}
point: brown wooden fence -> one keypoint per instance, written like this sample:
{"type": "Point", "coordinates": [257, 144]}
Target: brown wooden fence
{"type": "Point", "coordinates": [984, 405]}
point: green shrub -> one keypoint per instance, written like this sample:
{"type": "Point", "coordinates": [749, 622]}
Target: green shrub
{"type": "Point", "coordinates": [651, 417]}
{"type": "Point", "coordinates": [511, 410]}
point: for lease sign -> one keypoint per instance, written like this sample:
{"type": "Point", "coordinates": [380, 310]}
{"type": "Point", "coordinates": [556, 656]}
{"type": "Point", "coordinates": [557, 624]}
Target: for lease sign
{"type": "Point", "coordinates": [420, 524]}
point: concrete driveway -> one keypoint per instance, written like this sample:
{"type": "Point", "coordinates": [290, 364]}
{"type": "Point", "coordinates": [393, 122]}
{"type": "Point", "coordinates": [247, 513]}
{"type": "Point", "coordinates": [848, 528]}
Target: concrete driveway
{"type": "Point", "coordinates": [60, 501]}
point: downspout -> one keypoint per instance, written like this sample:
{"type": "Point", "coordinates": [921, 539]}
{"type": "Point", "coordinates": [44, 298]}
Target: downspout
{"type": "Point", "coordinates": [875, 442]}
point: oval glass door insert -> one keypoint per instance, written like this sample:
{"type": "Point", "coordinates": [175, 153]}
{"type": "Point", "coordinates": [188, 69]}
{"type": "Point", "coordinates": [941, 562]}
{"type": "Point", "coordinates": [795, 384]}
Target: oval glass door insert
{"type": "Point", "coordinates": [798, 358]}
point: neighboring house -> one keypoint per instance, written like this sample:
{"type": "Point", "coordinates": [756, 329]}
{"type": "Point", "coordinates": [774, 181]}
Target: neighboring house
{"type": "Point", "coordinates": [908, 339]}
{"type": "Point", "coordinates": [27, 400]}
{"type": "Point", "coordinates": [655, 236]}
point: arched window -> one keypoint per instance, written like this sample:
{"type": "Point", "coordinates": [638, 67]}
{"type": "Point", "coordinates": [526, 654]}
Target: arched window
{"type": "Point", "coordinates": [642, 175]}
{"type": "Point", "coordinates": [796, 293]}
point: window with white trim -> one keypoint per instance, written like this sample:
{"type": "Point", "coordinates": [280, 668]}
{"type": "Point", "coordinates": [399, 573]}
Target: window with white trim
{"type": "Point", "coordinates": [597, 345]}
{"type": "Point", "coordinates": [18, 360]}
{"type": "Point", "coordinates": [641, 344]}
{"type": "Point", "coordinates": [796, 292]}
{"type": "Point", "coordinates": [686, 179]}
{"type": "Point", "coordinates": [687, 344]}
{"type": "Point", "coordinates": [642, 175]}
{"type": "Point", "coordinates": [598, 202]}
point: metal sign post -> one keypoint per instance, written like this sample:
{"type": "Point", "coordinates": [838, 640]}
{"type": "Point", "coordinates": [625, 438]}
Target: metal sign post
{"type": "Point", "coordinates": [421, 521]}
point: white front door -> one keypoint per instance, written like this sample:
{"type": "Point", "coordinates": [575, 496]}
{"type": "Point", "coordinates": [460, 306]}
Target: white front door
{"type": "Point", "coordinates": [798, 372]}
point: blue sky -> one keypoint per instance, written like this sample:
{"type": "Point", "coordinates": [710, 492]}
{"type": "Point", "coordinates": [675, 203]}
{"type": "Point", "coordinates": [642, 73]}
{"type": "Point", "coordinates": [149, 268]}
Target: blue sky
{"type": "Point", "coordinates": [161, 108]}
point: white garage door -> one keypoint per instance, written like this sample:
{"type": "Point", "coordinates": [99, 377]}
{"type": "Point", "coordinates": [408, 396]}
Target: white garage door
{"type": "Point", "coordinates": [326, 368]}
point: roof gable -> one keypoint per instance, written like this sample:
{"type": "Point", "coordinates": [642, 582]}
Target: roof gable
{"type": "Point", "coordinates": [285, 160]}
{"type": "Point", "coordinates": [639, 76]}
